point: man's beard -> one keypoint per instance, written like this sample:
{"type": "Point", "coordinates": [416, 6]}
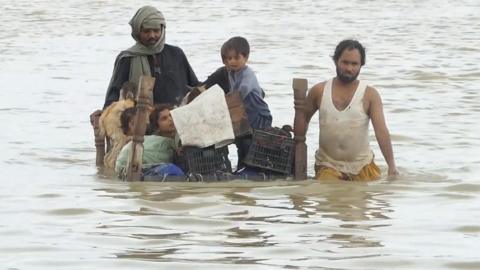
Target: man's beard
{"type": "Point", "coordinates": [346, 78]}
{"type": "Point", "coordinates": [152, 42]}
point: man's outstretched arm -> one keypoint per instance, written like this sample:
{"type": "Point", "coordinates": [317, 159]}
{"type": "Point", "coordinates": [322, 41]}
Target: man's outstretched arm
{"type": "Point", "coordinates": [381, 131]}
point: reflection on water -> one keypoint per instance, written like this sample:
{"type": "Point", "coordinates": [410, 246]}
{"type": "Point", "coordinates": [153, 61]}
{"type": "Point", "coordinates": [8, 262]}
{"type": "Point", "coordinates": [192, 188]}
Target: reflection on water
{"type": "Point", "coordinates": [228, 223]}
{"type": "Point", "coordinates": [58, 210]}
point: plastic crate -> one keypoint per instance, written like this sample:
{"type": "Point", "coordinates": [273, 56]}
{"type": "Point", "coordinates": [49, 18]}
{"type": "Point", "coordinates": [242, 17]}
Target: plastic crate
{"type": "Point", "coordinates": [206, 161]}
{"type": "Point", "coordinates": [272, 150]}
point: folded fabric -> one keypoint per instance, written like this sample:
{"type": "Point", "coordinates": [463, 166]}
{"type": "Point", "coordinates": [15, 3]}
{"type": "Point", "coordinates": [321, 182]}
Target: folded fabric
{"type": "Point", "coordinates": [205, 121]}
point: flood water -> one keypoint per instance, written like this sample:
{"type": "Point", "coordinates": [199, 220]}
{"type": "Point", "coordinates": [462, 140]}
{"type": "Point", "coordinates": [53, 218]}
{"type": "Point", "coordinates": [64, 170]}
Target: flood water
{"type": "Point", "coordinates": [57, 211]}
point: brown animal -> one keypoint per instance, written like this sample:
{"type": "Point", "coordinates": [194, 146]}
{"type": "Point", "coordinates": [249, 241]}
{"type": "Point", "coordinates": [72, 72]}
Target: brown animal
{"type": "Point", "coordinates": [110, 124]}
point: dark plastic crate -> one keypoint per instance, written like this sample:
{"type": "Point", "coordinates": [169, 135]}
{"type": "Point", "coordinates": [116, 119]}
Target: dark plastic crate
{"type": "Point", "coordinates": [272, 150]}
{"type": "Point", "coordinates": [206, 161]}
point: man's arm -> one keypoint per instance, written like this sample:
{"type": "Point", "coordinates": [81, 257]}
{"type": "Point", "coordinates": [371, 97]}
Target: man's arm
{"type": "Point", "coordinates": [121, 74]}
{"type": "Point", "coordinates": [312, 102]}
{"type": "Point", "coordinates": [191, 77]}
{"type": "Point", "coordinates": [375, 111]}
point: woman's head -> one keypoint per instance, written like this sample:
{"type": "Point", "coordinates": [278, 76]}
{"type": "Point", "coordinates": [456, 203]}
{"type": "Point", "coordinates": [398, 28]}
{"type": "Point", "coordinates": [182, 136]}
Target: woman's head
{"type": "Point", "coordinates": [161, 122]}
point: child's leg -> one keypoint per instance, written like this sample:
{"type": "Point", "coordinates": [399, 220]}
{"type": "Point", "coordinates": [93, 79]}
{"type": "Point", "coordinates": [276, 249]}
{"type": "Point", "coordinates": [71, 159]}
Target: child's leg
{"type": "Point", "coordinates": [243, 144]}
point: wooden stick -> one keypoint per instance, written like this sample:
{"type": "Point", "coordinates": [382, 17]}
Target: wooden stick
{"type": "Point", "coordinates": [299, 128]}
{"type": "Point", "coordinates": [236, 108]}
{"type": "Point", "coordinates": [99, 140]}
{"type": "Point", "coordinates": [144, 102]}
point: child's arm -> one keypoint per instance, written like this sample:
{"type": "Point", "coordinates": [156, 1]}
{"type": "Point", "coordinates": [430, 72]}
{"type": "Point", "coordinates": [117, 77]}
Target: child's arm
{"type": "Point", "coordinates": [219, 77]}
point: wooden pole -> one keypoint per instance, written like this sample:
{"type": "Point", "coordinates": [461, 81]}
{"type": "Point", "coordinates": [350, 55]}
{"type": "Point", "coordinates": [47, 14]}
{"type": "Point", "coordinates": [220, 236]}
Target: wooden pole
{"type": "Point", "coordinates": [236, 108]}
{"type": "Point", "coordinates": [99, 139]}
{"type": "Point", "coordinates": [299, 128]}
{"type": "Point", "coordinates": [144, 102]}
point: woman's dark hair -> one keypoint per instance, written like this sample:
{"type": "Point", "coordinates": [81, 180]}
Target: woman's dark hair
{"type": "Point", "coordinates": [349, 44]}
{"type": "Point", "coordinates": [238, 44]}
{"type": "Point", "coordinates": [155, 114]}
{"type": "Point", "coordinates": [125, 117]}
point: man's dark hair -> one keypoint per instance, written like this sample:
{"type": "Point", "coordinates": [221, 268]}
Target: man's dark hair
{"type": "Point", "coordinates": [125, 117]}
{"type": "Point", "coordinates": [349, 44]}
{"type": "Point", "coordinates": [238, 44]}
{"type": "Point", "coordinates": [155, 114]}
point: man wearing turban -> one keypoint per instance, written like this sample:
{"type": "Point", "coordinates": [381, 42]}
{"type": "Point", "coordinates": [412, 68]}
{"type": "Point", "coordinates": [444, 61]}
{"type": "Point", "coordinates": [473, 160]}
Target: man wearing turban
{"type": "Point", "coordinates": [151, 56]}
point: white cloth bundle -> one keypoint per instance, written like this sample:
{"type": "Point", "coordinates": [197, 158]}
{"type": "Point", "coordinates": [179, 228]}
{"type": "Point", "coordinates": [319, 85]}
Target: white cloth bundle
{"type": "Point", "coordinates": [205, 121]}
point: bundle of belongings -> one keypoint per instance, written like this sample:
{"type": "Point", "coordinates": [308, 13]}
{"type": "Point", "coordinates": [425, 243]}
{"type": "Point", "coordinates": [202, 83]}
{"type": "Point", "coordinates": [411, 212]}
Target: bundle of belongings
{"type": "Point", "coordinates": [212, 121]}
{"type": "Point", "coordinates": [205, 130]}
{"type": "Point", "coordinates": [208, 123]}
{"type": "Point", "coordinates": [205, 121]}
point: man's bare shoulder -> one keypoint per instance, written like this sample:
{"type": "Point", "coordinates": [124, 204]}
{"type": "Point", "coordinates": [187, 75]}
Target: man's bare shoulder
{"type": "Point", "coordinates": [371, 93]}
{"type": "Point", "coordinates": [314, 99]}
{"type": "Point", "coordinates": [319, 86]}
{"type": "Point", "coordinates": [317, 89]}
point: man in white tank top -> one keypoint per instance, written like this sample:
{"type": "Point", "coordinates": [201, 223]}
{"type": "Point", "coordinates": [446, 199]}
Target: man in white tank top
{"type": "Point", "coordinates": [346, 106]}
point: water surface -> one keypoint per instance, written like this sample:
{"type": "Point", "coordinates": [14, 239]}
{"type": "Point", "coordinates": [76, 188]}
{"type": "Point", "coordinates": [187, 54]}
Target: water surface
{"type": "Point", "coordinates": [58, 211]}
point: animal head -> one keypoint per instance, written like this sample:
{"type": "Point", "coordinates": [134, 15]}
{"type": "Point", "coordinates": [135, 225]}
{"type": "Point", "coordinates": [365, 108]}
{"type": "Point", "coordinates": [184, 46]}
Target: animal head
{"type": "Point", "coordinates": [128, 91]}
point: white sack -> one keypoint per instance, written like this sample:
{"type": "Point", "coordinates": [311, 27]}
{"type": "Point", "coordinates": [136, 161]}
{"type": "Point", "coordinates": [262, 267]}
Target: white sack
{"type": "Point", "coordinates": [205, 121]}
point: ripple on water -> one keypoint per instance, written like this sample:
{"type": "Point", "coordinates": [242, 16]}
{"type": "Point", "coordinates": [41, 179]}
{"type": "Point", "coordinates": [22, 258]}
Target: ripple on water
{"type": "Point", "coordinates": [19, 109]}
{"type": "Point", "coordinates": [401, 110]}
{"type": "Point", "coordinates": [420, 75]}
{"type": "Point", "coordinates": [475, 229]}
{"type": "Point", "coordinates": [49, 195]}
{"type": "Point", "coordinates": [64, 161]}
{"type": "Point", "coordinates": [454, 196]}
{"type": "Point", "coordinates": [474, 265]}
{"type": "Point", "coordinates": [69, 212]}
{"type": "Point", "coordinates": [430, 92]}
{"type": "Point", "coordinates": [464, 188]}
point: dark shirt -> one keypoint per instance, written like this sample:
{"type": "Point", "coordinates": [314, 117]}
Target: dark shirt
{"type": "Point", "coordinates": [219, 77]}
{"type": "Point", "coordinates": [173, 76]}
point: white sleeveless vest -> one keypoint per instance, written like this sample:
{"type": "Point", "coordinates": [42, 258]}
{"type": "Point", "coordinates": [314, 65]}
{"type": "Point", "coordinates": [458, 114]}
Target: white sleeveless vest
{"type": "Point", "coordinates": [343, 142]}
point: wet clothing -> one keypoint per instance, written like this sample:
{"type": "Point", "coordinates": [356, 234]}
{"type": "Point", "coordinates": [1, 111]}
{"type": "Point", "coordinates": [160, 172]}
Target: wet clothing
{"type": "Point", "coordinates": [343, 142]}
{"type": "Point", "coordinates": [168, 64]}
{"type": "Point", "coordinates": [164, 170]}
{"type": "Point", "coordinates": [243, 145]}
{"type": "Point", "coordinates": [219, 77]}
{"type": "Point", "coordinates": [149, 18]}
{"type": "Point", "coordinates": [258, 113]}
{"type": "Point", "coordinates": [173, 76]}
{"type": "Point", "coordinates": [156, 150]}
{"type": "Point", "coordinates": [367, 173]}
{"type": "Point", "coordinates": [257, 110]}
